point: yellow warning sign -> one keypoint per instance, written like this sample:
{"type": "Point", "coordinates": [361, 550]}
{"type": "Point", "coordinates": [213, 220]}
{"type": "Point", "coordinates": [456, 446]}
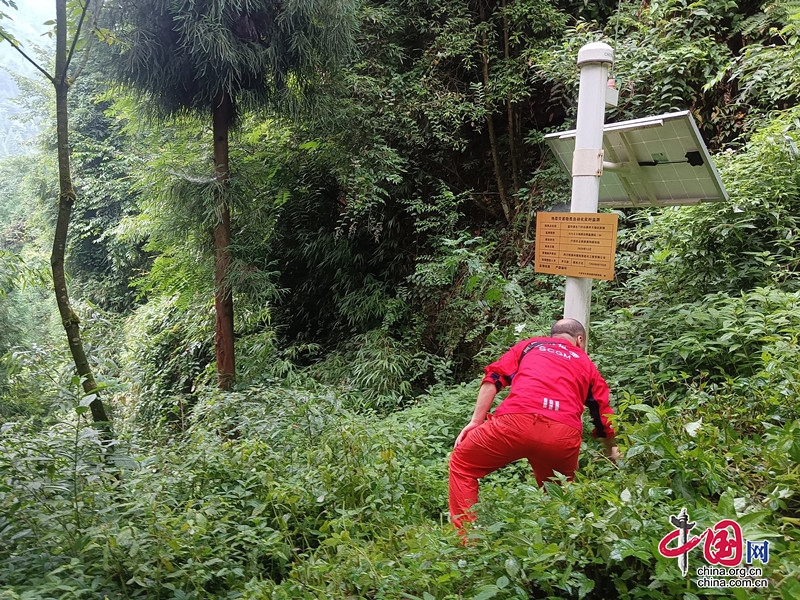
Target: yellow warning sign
{"type": "Point", "coordinates": [576, 244]}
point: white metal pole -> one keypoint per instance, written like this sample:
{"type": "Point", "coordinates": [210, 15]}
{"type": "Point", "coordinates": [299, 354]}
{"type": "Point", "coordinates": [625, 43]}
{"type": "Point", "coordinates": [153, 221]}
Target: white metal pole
{"type": "Point", "coordinates": [587, 162]}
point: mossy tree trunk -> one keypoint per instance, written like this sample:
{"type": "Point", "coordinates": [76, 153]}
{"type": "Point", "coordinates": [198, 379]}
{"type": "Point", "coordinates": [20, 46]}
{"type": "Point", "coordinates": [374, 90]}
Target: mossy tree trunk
{"type": "Point", "coordinates": [66, 200]}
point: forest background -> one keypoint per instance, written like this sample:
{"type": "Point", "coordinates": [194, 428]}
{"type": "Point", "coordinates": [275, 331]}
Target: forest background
{"type": "Point", "coordinates": [382, 219]}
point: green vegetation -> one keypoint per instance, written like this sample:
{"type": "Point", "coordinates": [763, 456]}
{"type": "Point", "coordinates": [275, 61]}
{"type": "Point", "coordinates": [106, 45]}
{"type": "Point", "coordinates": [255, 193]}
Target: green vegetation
{"type": "Point", "coordinates": [381, 254]}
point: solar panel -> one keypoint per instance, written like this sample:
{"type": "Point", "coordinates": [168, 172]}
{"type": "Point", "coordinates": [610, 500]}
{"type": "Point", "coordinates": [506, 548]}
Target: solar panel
{"type": "Point", "coordinates": [654, 161]}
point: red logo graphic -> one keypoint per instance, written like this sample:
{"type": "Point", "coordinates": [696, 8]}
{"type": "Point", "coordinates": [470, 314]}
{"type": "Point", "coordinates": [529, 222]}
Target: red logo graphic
{"type": "Point", "coordinates": [723, 544]}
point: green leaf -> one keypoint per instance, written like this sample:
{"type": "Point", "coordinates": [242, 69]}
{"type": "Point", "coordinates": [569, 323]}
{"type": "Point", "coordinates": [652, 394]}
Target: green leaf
{"type": "Point", "coordinates": [512, 567]}
{"type": "Point", "coordinates": [553, 489]}
{"type": "Point", "coordinates": [489, 591]}
{"type": "Point", "coordinates": [790, 590]}
{"type": "Point", "coordinates": [693, 427]}
{"type": "Point", "coordinates": [634, 450]}
{"type": "Point", "coordinates": [794, 451]}
{"type": "Point", "coordinates": [682, 487]}
{"type": "Point", "coordinates": [725, 505]}
{"type": "Point", "coordinates": [754, 518]}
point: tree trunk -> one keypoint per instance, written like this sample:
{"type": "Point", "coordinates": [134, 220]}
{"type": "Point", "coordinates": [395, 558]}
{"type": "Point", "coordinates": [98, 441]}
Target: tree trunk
{"type": "Point", "coordinates": [498, 170]}
{"type": "Point", "coordinates": [223, 299]}
{"type": "Point", "coordinates": [66, 199]}
{"type": "Point", "coordinates": [512, 137]}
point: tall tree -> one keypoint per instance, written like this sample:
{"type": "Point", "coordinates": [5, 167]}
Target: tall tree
{"type": "Point", "coordinates": [62, 79]}
{"type": "Point", "coordinates": [217, 56]}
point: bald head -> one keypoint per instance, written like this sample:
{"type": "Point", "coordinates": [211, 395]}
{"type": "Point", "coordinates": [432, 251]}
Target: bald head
{"type": "Point", "coordinates": [570, 329]}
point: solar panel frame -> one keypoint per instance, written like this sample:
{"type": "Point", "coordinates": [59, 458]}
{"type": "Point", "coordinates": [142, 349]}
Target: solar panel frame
{"type": "Point", "coordinates": [646, 162]}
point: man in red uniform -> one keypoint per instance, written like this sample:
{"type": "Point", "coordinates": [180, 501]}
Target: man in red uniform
{"type": "Point", "coordinates": [540, 419]}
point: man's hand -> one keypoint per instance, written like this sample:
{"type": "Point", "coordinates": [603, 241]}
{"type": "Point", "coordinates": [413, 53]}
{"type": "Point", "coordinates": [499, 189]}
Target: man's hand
{"type": "Point", "coordinates": [482, 405]}
{"type": "Point", "coordinates": [464, 432]}
{"type": "Point", "coordinates": [612, 452]}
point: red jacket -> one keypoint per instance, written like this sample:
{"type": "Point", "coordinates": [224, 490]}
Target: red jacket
{"type": "Point", "coordinates": [554, 378]}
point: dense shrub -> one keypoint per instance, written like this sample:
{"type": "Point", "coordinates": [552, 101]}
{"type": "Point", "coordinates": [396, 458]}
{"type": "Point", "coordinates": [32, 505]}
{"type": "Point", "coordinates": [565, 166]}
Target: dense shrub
{"type": "Point", "coordinates": [681, 254]}
{"type": "Point", "coordinates": [167, 355]}
{"type": "Point", "coordinates": [284, 493]}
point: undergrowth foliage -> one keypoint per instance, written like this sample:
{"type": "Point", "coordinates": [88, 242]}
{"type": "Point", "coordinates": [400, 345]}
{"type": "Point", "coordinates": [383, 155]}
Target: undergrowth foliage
{"type": "Point", "coordinates": [286, 493]}
{"type": "Point", "coordinates": [168, 349]}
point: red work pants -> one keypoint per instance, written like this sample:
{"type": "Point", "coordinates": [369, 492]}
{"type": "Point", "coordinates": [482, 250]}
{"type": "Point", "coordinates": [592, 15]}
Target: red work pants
{"type": "Point", "coordinates": [548, 445]}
